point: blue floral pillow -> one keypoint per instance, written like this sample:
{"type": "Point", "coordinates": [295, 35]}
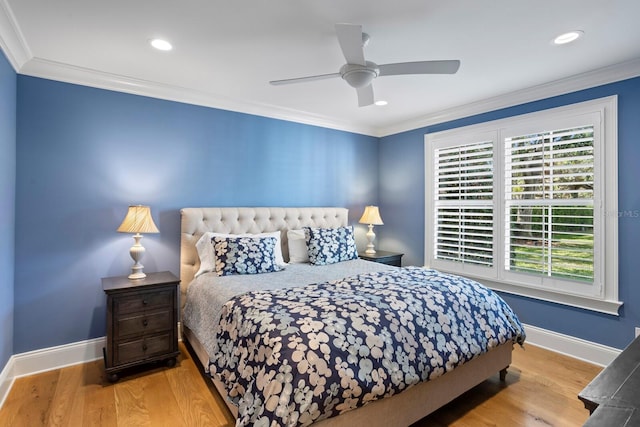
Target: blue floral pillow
{"type": "Point", "coordinates": [245, 255]}
{"type": "Point", "coordinates": [330, 245]}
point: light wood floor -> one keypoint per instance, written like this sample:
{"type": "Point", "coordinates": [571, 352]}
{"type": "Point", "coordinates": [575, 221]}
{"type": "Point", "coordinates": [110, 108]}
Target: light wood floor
{"type": "Point", "coordinates": [541, 390]}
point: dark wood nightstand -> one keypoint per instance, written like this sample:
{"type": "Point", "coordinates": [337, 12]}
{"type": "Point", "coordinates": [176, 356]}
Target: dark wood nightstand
{"type": "Point", "coordinates": [142, 321]}
{"type": "Point", "coordinates": [383, 257]}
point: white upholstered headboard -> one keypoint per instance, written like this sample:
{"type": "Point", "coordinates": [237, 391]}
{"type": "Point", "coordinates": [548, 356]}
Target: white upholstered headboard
{"type": "Point", "coordinates": [197, 221]}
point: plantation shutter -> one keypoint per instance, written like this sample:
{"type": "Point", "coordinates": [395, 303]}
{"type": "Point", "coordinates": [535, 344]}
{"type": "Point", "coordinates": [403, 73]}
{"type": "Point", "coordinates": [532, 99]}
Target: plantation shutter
{"type": "Point", "coordinates": [463, 205]}
{"type": "Point", "coordinates": [549, 202]}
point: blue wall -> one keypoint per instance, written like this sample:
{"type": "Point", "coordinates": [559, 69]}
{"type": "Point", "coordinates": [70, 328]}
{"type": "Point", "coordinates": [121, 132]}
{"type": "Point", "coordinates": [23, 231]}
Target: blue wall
{"type": "Point", "coordinates": [85, 154]}
{"type": "Point", "coordinates": [402, 206]}
{"type": "Point", "coordinates": [82, 155]}
{"type": "Point", "coordinates": [7, 205]}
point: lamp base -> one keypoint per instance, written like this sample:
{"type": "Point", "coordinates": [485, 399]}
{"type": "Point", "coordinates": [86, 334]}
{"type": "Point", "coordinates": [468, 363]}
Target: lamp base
{"type": "Point", "coordinates": [137, 273]}
{"type": "Point", "coordinates": [137, 252]}
{"type": "Point", "coordinates": [370, 238]}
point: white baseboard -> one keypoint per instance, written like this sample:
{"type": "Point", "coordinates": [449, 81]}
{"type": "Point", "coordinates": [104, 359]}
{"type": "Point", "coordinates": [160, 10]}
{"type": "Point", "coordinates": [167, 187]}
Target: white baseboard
{"type": "Point", "coordinates": [577, 348]}
{"type": "Point", "coordinates": [47, 359]}
{"type": "Point", "coordinates": [6, 380]}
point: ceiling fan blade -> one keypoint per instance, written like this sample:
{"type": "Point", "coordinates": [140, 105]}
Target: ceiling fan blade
{"type": "Point", "coordinates": [420, 67]}
{"type": "Point", "coordinates": [304, 79]}
{"type": "Point", "coordinates": [365, 95]}
{"type": "Point", "coordinates": [350, 39]}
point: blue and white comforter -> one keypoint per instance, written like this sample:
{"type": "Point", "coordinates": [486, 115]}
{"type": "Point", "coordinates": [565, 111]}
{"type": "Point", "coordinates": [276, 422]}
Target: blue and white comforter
{"type": "Point", "coordinates": [295, 356]}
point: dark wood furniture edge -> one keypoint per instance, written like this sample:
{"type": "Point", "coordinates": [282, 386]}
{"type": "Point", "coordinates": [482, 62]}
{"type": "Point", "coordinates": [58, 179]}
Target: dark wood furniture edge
{"type": "Point", "coordinates": [112, 284]}
{"type": "Point", "coordinates": [613, 395]}
{"type": "Point", "coordinates": [383, 257]}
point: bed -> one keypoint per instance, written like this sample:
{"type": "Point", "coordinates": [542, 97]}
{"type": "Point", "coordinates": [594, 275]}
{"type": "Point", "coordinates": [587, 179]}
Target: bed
{"type": "Point", "coordinates": [215, 312]}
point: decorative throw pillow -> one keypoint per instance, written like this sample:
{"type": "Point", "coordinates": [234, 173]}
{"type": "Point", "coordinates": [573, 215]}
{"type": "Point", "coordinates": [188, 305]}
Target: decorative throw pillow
{"type": "Point", "coordinates": [298, 253]}
{"type": "Point", "coordinates": [330, 245]}
{"type": "Point", "coordinates": [207, 255]}
{"type": "Point", "coordinates": [245, 255]}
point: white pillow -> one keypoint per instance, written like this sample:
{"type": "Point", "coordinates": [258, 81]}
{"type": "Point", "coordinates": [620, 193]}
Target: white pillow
{"type": "Point", "coordinates": [207, 254]}
{"type": "Point", "coordinates": [298, 252]}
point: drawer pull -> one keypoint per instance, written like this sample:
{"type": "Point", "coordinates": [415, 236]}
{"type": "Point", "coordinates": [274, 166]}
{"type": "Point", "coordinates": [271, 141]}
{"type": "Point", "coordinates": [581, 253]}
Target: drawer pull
{"type": "Point", "coordinates": [145, 322]}
{"type": "Point", "coordinates": [145, 302]}
{"type": "Point", "coordinates": [144, 347]}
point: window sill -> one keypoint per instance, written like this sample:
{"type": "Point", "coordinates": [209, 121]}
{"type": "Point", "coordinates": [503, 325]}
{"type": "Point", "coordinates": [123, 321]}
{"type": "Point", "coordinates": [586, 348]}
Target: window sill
{"type": "Point", "coordinates": [611, 307]}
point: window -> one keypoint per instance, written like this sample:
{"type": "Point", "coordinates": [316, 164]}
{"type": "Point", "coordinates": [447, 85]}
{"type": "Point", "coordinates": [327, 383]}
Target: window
{"type": "Point", "coordinates": [524, 204]}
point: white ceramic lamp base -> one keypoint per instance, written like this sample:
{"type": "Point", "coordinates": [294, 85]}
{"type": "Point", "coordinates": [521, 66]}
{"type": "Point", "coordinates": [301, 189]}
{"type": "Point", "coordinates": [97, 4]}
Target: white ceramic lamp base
{"type": "Point", "coordinates": [137, 252]}
{"type": "Point", "coordinates": [370, 238]}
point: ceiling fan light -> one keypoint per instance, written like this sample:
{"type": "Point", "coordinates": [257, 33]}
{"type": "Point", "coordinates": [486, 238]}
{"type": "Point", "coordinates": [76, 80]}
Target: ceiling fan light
{"type": "Point", "coordinates": [359, 78]}
{"type": "Point", "coordinates": [358, 75]}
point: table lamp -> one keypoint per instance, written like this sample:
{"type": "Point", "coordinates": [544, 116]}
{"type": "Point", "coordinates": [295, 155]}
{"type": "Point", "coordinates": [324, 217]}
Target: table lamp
{"type": "Point", "coordinates": [371, 216]}
{"type": "Point", "coordinates": [138, 220]}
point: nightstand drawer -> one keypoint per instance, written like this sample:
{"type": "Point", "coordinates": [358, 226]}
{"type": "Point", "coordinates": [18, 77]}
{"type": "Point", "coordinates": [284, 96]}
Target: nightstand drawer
{"type": "Point", "coordinates": [145, 323]}
{"type": "Point", "coordinates": [143, 301]}
{"type": "Point", "coordinates": [143, 348]}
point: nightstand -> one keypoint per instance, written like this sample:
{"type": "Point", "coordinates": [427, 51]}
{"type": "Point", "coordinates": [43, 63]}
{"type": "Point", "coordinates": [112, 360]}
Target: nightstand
{"type": "Point", "coordinates": [383, 257]}
{"type": "Point", "coordinates": [142, 321]}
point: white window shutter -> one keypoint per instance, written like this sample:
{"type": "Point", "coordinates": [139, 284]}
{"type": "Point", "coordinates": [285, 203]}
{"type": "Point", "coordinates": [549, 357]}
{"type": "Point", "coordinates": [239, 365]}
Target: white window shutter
{"type": "Point", "coordinates": [463, 205]}
{"type": "Point", "coordinates": [549, 197]}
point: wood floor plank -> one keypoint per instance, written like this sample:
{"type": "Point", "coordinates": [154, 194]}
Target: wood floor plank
{"type": "Point", "coordinates": [68, 398]}
{"type": "Point", "coordinates": [130, 407]}
{"type": "Point", "coordinates": [146, 400]}
{"type": "Point", "coordinates": [99, 408]}
{"type": "Point", "coordinates": [161, 401]}
{"type": "Point", "coordinates": [38, 391]}
{"type": "Point", "coordinates": [540, 391]}
{"type": "Point", "coordinates": [192, 395]}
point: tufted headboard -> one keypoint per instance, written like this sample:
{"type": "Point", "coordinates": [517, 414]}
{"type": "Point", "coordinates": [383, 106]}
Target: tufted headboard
{"type": "Point", "coordinates": [197, 221]}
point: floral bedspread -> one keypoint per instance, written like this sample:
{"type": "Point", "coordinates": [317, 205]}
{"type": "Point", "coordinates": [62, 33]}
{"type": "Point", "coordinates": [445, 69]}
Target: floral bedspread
{"type": "Point", "coordinates": [295, 356]}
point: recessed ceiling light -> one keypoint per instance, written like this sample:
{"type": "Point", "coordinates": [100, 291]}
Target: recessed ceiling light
{"type": "Point", "coordinates": [381, 103]}
{"type": "Point", "coordinates": [568, 37]}
{"type": "Point", "coordinates": [161, 44]}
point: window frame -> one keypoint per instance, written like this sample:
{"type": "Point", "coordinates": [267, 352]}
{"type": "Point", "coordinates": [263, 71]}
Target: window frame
{"type": "Point", "coordinates": [603, 295]}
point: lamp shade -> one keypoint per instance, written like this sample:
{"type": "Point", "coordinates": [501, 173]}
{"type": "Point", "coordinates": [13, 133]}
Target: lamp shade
{"type": "Point", "coordinates": [138, 220]}
{"type": "Point", "coordinates": [371, 216]}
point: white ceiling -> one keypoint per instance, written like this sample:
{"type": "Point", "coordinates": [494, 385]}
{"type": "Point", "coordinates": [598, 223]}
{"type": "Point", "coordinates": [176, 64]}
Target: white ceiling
{"type": "Point", "coordinates": [226, 52]}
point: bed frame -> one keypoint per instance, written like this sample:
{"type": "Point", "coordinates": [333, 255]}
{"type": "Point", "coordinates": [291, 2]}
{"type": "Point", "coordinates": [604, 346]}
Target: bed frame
{"type": "Point", "coordinates": [399, 410]}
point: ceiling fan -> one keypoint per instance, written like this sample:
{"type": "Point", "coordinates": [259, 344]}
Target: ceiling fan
{"type": "Point", "coordinates": [359, 73]}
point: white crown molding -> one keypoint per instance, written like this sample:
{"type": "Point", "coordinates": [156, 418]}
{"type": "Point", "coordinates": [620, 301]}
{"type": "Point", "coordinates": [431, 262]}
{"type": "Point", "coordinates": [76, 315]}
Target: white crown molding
{"type": "Point", "coordinates": [19, 55]}
{"type": "Point", "coordinates": [43, 68]}
{"type": "Point", "coordinates": [38, 67]}
{"type": "Point", "coordinates": [601, 76]}
{"type": "Point", "coordinates": [15, 48]}
{"type": "Point", "coordinates": [12, 42]}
